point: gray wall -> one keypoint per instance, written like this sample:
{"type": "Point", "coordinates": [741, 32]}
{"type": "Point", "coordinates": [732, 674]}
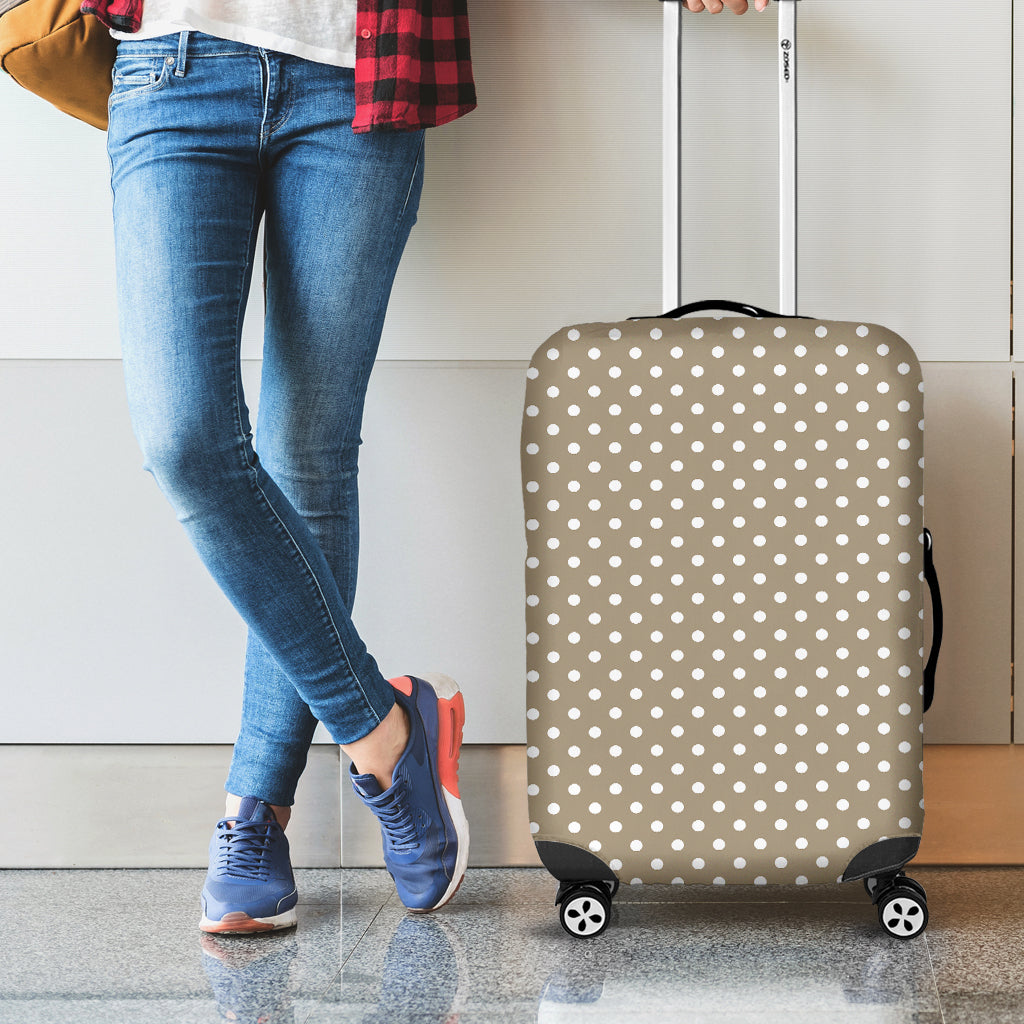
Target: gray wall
{"type": "Point", "coordinates": [541, 208]}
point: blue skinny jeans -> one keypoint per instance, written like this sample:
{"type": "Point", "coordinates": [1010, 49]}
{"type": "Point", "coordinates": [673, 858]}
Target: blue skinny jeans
{"type": "Point", "coordinates": [206, 137]}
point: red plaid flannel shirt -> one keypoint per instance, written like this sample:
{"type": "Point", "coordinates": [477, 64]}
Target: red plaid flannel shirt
{"type": "Point", "coordinates": [413, 67]}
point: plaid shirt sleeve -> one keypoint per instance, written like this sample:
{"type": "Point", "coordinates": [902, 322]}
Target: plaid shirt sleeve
{"type": "Point", "coordinates": [123, 15]}
{"type": "Point", "coordinates": [413, 67]}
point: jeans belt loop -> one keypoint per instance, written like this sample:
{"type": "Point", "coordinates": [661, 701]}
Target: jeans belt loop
{"type": "Point", "coordinates": [179, 69]}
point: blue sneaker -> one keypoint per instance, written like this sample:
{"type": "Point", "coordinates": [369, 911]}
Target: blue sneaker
{"type": "Point", "coordinates": [250, 886]}
{"type": "Point", "coordinates": [424, 828]}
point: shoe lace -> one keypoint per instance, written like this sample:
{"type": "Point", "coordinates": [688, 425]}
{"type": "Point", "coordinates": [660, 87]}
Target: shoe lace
{"type": "Point", "coordinates": [397, 822]}
{"type": "Point", "coordinates": [244, 848]}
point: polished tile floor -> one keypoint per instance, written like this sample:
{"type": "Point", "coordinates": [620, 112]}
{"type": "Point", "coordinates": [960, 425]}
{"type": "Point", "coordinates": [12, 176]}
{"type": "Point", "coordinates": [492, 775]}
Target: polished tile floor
{"type": "Point", "coordinates": [122, 946]}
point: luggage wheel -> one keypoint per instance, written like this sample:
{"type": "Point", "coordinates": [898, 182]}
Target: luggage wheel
{"type": "Point", "coordinates": [902, 904]}
{"type": "Point", "coordinates": [585, 907]}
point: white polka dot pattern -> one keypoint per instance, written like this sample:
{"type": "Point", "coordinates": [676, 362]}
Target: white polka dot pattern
{"type": "Point", "coordinates": [724, 595]}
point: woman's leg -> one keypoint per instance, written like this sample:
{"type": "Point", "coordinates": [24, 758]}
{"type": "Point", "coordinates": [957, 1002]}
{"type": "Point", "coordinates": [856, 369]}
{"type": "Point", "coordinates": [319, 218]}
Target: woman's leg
{"type": "Point", "coordinates": [189, 166]}
{"type": "Point", "coordinates": [197, 154]}
{"type": "Point", "coordinates": [339, 209]}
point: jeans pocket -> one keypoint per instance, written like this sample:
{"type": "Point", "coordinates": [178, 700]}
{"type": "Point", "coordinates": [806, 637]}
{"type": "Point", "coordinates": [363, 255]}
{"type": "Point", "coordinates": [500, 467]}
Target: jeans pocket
{"type": "Point", "coordinates": [133, 75]}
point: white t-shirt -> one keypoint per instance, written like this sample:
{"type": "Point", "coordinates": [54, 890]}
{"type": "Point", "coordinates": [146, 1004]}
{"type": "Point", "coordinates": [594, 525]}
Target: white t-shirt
{"type": "Point", "coordinates": [320, 30]}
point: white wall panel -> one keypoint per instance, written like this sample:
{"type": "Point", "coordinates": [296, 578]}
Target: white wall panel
{"type": "Point", "coordinates": [904, 167]}
{"type": "Point", "coordinates": [442, 546]}
{"type": "Point", "coordinates": [111, 630]}
{"type": "Point", "coordinates": [1018, 347]}
{"type": "Point", "coordinates": [57, 284]}
{"type": "Point", "coordinates": [544, 204]}
{"type": "Point", "coordinates": [542, 207]}
{"type": "Point", "coordinates": [1017, 225]}
{"type": "Point", "coordinates": [56, 266]}
{"type": "Point", "coordinates": [969, 509]}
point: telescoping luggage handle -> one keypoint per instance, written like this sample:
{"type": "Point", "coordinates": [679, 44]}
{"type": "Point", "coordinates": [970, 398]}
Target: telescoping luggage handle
{"type": "Point", "coordinates": [672, 141]}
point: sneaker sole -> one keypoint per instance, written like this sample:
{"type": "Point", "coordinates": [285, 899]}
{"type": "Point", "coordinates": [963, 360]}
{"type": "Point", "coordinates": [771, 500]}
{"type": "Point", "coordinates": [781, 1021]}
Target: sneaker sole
{"type": "Point", "coordinates": [451, 714]}
{"type": "Point", "coordinates": [240, 923]}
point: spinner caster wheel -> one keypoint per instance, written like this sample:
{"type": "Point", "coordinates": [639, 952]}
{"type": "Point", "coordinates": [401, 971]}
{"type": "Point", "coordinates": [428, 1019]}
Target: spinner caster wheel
{"type": "Point", "coordinates": [903, 911]}
{"type": "Point", "coordinates": [871, 885]}
{"type": "Point", "coordinates": [585, 911]}
{"type": "Point", "coordinates": [913, 884]}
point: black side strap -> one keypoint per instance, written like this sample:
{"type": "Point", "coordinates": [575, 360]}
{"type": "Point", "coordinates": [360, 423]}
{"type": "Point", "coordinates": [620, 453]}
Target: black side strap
{"type": "Point", "coordinates": [932, 580]}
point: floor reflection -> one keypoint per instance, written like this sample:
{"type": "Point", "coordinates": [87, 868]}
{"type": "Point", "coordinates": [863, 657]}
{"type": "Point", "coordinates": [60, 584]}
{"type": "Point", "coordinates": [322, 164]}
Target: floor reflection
{"type": "Point", "coordinates": [251, 976]}
{"type": "Point", "coordinates": [498, 955]}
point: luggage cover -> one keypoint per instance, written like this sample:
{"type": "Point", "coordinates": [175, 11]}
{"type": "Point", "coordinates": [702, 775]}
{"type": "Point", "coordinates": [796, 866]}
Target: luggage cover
{"type": "Point", "coordinates": [724, 595]}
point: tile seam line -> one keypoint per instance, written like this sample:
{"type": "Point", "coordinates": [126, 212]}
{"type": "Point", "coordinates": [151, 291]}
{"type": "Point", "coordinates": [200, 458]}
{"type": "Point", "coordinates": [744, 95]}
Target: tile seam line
{"type": "Point", "coordinates": [337, 976]}
{"type": "Point", "coordinates": [935, 981]}
{"type": "Point", "coordinates": [355, 946]}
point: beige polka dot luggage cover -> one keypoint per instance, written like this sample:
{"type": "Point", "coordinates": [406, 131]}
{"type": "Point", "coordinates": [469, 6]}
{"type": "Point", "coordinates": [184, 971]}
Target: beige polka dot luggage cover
{"type": "Point", "coordinates": [725, 605]}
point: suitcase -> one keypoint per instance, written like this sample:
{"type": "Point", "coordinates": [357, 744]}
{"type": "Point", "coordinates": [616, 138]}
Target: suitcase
{"type": "Point", "coordinates": [725, 574]}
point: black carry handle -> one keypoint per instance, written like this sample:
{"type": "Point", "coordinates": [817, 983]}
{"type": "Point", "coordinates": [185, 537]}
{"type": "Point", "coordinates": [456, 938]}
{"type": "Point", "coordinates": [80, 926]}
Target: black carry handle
{"type": "Point", "coordinates": [733, 307]}
{"type": "Point", "coordinates": [687, 9]}
{"type": "Point", "coordinates": [932, 579]}
{"type": "Point", "coordinates": [727, 304]}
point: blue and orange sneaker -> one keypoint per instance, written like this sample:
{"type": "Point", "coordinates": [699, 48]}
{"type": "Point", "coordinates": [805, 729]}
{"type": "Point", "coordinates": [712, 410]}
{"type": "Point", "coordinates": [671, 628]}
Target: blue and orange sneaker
{"type": "Point", "coordinates": [249, 886]}
{"type": "Point", "coordinates": [423, 825]}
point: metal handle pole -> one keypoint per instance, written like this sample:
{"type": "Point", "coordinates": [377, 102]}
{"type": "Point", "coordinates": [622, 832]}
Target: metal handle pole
{"type": "Point", "coordinates": [671, 140]}
{"type": "Point", "coordinates": [787, 157]}
{"type": "Point", "coordinates": [671, 259]}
